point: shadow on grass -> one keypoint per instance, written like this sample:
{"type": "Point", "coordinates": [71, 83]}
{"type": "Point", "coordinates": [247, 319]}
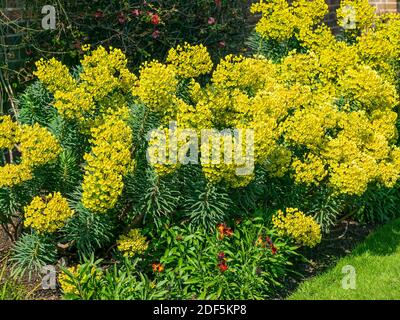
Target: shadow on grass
{"type": "Point", "coordinates": [384, 241]}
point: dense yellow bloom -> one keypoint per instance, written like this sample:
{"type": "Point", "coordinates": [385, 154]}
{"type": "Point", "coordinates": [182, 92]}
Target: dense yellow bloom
{"type": "Point", "coordinates": [106, 164]}
{"type": "Point", "coordinates": [364, 87]}
{"type": "Point", "coordinates": [278, 162]}
{"type": "Point", "coordinates": [224, 157]}
{"type": "Point", "coordinates": [36, 145]}
{"type": "Point", "coordinates": [14, 174]}
{"type": "Point", "coordinates": [281, 21]}
{"type": "Point", "coordinates": [66, 283]}
{"type": "Point", "coordinates": [295, 224]}
{"type": "Point", "coordinates": [157, 87]}
{"type": "Point", "coordinates": [104, 74]}
{"type": "Point", "coordinates": [134, 243]}
{"type": "Point", "coordinates": [163, 150]}
{"type": "Point", "coordinates": [190, 61]}
{"type": "Point", "coordinates": [324, 114]}
{"type": "Point", "coordinates": [47, 214]}
{"type": "Point", "coordinates": [9, 133]}
{"type": "Point", "coordinates": [54, 75]}
{"type": "Point", "coordinates": [311, 171]}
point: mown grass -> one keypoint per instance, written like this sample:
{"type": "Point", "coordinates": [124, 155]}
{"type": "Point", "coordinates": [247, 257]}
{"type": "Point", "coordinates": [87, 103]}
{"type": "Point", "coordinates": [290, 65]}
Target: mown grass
{"type": "Point", "coordinates": [377, 268]}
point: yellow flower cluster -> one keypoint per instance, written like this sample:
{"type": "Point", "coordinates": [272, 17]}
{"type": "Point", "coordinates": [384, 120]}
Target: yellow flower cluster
{"type": "Point", "coordinates": [281, 21]}
{"type": "Point", "coordinates": [107, 163]}
{"type": "Point", "coordinates": [222, 158]}
{"type": "Point", "coordinates": [163, 150]}
{"type": "Point", "coordinates": [54, 75]}
{"type": "Point", "coordinates": [47, 214]}
{"type": "Point", "coordinates": [10, 132]}
{"type": "Point", "coordinates": [311, 171]}
{"type": "Point", "coordinates": [36, 145]}
{"type": "Point", "coordinates": [295, 224]}
{"type": "Point", "coordinates": [66, 283]}
{"type": "Point", "coordinates": [104, 74]}
{"type": "Point", "coordinates": [190, 61]}
{"type": "Point", "coordinates": [70, 285]}
{"type": "Point", "coordinates": [324, 115]}
{"type": "Point", "coordinates": [157, 87]}
{"type": "Point", "coordinates": [134, 243]}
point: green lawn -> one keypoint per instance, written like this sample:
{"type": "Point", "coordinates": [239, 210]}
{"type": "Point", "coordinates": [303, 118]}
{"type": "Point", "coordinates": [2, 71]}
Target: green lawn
{"type": "Point", "coordinates": [377, 266]}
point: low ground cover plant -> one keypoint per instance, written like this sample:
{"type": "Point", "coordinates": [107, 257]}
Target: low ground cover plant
{"type": "Point", "coordinates": [100, 163]}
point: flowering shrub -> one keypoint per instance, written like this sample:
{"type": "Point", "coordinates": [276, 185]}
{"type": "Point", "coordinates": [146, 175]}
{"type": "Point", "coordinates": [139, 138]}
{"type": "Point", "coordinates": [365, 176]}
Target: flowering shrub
{"type": "Point", "coordinates": [321, 121]}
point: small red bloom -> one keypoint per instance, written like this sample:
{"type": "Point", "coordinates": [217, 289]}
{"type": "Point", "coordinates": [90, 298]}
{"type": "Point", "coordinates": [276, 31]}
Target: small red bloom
{"type": "Point", "coordinates": [155, 19]}
{"type": "Point", "coordinates": [222, 44]}
{"type": "Point", "coordinates": [224, 231]}
{"type": "Point", "coordinates": [211, 20]}
{"type": "Point", "coordinates": [98, 14]}
{"type": "Point", "coordinates": [221, 228]}
{"type": "Point", "coordinates": [228, 232]}
{"type": "Point", "coordinates": [222, 266]}
{"type": "Point", "coordinates": [157, 267]}
{"type": "Point", "coordinates": [136, 12]}
{"type": "Point", "coordinates": [221, 256]}
{"type": "Point", "coordinates": [274, 249]}
{"type": "Point", "coordinates": [155, 34]}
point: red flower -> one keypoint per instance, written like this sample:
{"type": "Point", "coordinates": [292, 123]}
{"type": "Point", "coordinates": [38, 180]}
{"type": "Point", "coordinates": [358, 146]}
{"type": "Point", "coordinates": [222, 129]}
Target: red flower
{"type": "Point", "coordinates": [218, 3]}
{"type": "Point", "coordinates": [221, 228]}
{"type": "Point", "coordinates": [155, 34]}
{"type": "Point", "coordinates": [211, 20]}
{"type": "Point", "coordinates": [98, 14]}
{"type": "Point", "coordinates": [222, 266]}
{"type": "Point", "coordinates": [155, 19]}
{"type": "Point", "coordinates": [228, 232]}
{"type": "Point", "coordinates": [224, 231]}
{"type": "Point", "coordinates": [157, 267]}
{"type": "Point", "coordinates": [274, 249]}
{"type": "Point", "coordinates": [222, 44]}
{"type": "Point", "coordinates": [136, 12]}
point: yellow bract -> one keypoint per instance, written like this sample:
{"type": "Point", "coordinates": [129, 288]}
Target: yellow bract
{"type": "Point", "coordinates": [87, 98]}
{"type": "Point", "coordinates": [48, 214]}
{"type": "Point", "coordinates": [190, 61]}
{"type": "Point", "coordinates": [281, 21]}
{"type": "Point", "coordinates": [36, 145]}
{"type": "Point", "coordinates": [70, 285]}
{"type": "Point", "coordinates": [295, 224]}
{"type": "Point", "coordinates": [134, 243]}
{"type": "Point", "coordinates": [107, 163]}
